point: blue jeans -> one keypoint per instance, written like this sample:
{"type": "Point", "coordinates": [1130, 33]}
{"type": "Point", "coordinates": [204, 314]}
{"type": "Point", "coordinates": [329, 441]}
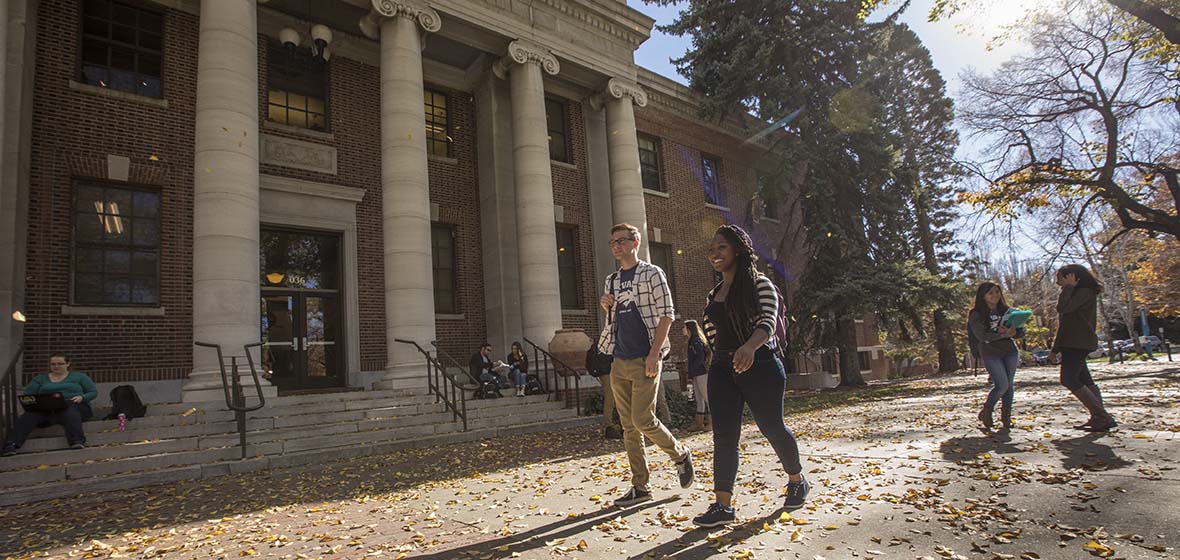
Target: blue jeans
{"type": "Point", "coordinates": [762, 388]}
{"type": "Point", "coordinates": [71, 418]}
{"type": "Point", "coordinates": [1002, 370]}
{"type": "Point", "coordinates": [519, 378]}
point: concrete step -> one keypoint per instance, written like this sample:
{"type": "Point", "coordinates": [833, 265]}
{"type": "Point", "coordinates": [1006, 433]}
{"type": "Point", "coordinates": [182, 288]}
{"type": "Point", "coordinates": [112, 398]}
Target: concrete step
{"type": "Point", "coordinates": [103, 479]}
{"type": "Point", "coordinates": [30, 477]}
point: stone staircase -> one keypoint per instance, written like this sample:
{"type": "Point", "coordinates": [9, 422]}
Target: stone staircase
{"type": "Point", "coordinates": [199, 440]}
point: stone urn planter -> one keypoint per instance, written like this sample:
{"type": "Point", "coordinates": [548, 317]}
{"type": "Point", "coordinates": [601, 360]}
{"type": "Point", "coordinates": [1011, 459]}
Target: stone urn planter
{"type": "Point", "coordinates": [569, 346]}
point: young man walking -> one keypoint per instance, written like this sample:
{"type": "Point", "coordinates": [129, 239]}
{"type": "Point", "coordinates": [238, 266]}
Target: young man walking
{"type": "Point", "coordinates": [638, 303]}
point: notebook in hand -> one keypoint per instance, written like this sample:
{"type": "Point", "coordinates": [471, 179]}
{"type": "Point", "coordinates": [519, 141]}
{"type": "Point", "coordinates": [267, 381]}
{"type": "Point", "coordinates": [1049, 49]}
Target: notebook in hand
{"type": "Point", "coordinates": [44, 402]}
{"type": "Point", "coordinates": [1016, 318]}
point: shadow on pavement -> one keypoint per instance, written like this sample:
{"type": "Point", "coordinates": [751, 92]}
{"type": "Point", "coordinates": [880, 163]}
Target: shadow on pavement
{"type": "Point", "coordinates": [536, 538]}
{"type": "Point", "coordinates": [1088, 453]}
{"type": "Point", "coordinates": [966, 448]}
{"type": "Point", "coordinates": [696, 545]}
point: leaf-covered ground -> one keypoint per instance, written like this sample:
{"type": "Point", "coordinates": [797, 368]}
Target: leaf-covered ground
{"type": "Point", "coordinates": [899, 471]}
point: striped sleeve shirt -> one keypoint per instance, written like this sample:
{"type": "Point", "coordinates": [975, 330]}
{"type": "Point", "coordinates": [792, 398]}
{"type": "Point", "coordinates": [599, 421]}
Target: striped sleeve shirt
{"type": "Point", "coordinates": [768, 303]}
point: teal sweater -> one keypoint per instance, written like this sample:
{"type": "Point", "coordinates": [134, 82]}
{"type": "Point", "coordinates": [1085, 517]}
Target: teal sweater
{"type": "Point", "coordinates": [76, 383]}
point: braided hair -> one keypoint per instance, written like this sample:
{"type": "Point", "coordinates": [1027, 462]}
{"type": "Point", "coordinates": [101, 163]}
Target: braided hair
{"type": "Point", "coordinates": [742, 301]}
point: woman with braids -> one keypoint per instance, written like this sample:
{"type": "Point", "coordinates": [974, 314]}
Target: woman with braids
{"type": "Point", "coordinates": [739, 325]}
{"type": "Point", "coordinates": [1077, 308]}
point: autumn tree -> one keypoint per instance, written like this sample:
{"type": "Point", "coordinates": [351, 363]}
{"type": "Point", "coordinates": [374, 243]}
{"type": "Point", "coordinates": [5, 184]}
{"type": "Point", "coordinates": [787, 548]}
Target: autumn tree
{"type": "Point", "coordinates": [1087, 115]}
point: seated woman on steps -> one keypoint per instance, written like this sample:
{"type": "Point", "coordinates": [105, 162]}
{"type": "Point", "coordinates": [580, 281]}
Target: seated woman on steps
{"type": "Point", "coordinates": [75, 387]}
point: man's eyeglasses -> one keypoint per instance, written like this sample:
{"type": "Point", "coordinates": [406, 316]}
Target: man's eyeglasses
{"type": "Point", "coordinates": [620, 241]}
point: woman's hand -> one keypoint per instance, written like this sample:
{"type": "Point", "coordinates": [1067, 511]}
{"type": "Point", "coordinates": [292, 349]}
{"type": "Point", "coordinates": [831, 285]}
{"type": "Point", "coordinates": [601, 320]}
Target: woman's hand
{"type": "Point", "coordinates": [76, 400]}
{"type": "Point", "coordinates": [743, 359]}
{"type": "Point", "coordinates": [1007, 331]}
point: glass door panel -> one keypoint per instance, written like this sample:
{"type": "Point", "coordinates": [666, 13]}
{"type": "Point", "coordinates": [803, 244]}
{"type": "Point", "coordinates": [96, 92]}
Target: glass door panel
{"type": "Point", "coordinates": [280, 341]}
{"type": "Point", "coordinates": [321, 339]}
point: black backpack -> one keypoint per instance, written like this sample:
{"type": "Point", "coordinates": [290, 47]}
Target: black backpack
{"type": "Point", "coordinates": [125, 401]}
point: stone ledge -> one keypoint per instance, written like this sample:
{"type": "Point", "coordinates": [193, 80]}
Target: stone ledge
{"type": "Point", "coordinates": [116, 94]}
{"type": "Point", "coordinates": [718, 207]}
{"type": "Point", "coordinates": [657, 193]}
{"type": "Point", "coordinates": [563, 164]}
{"type": "Point", "coordinates": [114, 311]}
{"type": "Point", "coordinates": [443, 159]}
{"type": "Point", "coordinates": [299, 131]}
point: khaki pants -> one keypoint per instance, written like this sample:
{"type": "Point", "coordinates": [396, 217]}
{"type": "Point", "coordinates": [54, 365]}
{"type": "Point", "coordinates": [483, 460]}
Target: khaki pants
{"type": "Point", "coordinates": [635, 397]}
{"type": "Point", "coordinates": [608, 401]}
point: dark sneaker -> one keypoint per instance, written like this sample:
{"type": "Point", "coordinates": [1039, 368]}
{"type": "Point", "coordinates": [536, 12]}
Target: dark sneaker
{"type": "Point", "coordinates": [8, 451]}
{"type": "Point", "coordinates": [686, 472]}
{"type": "Point", "coordinates": [717, 514]}
{"type": "Point", "coordinates": [797, 494]}
{"type": "Point", "coordinates": [632, 497]}
{"type": "Point", "coordinates": [78, 446]}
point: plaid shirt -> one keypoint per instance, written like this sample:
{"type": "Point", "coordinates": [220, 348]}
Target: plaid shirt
{"type": "Point", "coordinates": [653, 299]}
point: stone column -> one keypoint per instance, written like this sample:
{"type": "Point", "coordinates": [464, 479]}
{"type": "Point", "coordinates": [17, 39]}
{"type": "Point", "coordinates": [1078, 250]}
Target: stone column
{"type": "Point", "coordinates": [540, 296]}
{"type": "Point", "coordinates": [627, 204]}
{"type": "Point", "coordinates": [405, 187]}
{"type": "Point", "coordinates": [225, 191]}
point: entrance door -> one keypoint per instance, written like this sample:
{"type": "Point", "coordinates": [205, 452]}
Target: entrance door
{"type": "Point", "coordinates": [301, 317]}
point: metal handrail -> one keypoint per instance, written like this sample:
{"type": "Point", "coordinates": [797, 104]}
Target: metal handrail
{"type": "Point", "coordinates": [8, 387]}
{"type": "Point", "coordinates": [567, 374]}
{"type": "Point", "coordinates": [235, 399]}
{"type": "Point", "coordinates": [454, 363]}
{"type": "Point", "coordinates": [441, 382]}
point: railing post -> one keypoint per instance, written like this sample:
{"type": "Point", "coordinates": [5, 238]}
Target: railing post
{"type": "Point", "coordinates": [239, 403]}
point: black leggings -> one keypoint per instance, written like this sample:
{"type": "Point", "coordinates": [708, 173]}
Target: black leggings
{"type": "Point", "coordinates": [762, 388]}
{"type": "Point", "coordinates": [1075, 374]}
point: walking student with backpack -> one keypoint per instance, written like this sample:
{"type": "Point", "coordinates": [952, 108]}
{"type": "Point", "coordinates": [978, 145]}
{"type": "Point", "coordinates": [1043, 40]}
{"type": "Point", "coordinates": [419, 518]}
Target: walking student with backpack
{"type": "Point", "coordinates": [638, 303]}
{"type": "Point", "coordinates": [698, 364]}
{"type": "Point", "coordinates": [742, 315]}
{"type": "Point", "coordinates": [1077, 307]}
{"type": "Point", "coordinates": [997, 349]}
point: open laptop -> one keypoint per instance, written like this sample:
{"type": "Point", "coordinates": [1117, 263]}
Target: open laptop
{"type": "Point", "coordinates": [43, 403]}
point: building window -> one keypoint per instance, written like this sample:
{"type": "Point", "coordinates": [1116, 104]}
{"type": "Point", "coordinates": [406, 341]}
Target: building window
{"type": "Point", "coordinates": [769, 194]}
{"type": "Point", "coordinates": [649, 163]}
{"type": "Point", "coordinates": [555, 117]}
{"type": "Point", "coordinates": [567, 266]}
{"type": "Point", "coordinates": [438, 124]}
{"type": "Point", "coordinates": [116, 246]}
{"type": "Point", "coordinates": [863, 358]}
{"type": "Point", "coordinates": [442, 251]}
{"type": "Point", "coordinates": [122, 47]}
{"type": "Point", "coordinates": [711, 180]}
{"type": "Point", "coordinates": [297, 88]}
{"type": "Point", "coordinates": [661, 256]}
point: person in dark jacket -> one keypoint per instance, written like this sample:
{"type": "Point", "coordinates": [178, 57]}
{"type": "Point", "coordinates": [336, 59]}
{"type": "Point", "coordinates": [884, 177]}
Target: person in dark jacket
{"type": "Point", "coordinates": [997, 350]}
{"type": "Point", "coordinates": [482, 368]}
{"type": "Point", "coordinates": [698, 359]}
{"type": "Point", "coordinates": [1077, 309]}
{"type": "Point", "coordinates": [75, 387]}
{"type": "Point", "coordinates": [520, 368]}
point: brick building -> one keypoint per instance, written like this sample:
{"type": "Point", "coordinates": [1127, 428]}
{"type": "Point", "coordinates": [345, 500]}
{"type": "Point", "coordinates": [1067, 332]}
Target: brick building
{"type": "Point", "coordinates": [332, 175]}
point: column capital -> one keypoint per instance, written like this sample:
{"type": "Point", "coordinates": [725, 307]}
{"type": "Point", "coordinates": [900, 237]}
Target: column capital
{"type": "Point", "coordinates": [619, 88]}
{"type": "Point", "coordinates": [522, 51]}
{"type": "Point", "coordinates": [418, 10]}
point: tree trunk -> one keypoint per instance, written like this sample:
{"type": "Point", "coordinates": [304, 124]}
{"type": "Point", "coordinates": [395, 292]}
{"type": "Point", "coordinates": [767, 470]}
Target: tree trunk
{"type": "Point", "coordinates": [948, 358]}
{"type": "Point", "coordinates": [1155, 17]}
{"type": "Point", "coordinates": [944, 338]}
{"type": "Point", "coordinates": [849, 361]}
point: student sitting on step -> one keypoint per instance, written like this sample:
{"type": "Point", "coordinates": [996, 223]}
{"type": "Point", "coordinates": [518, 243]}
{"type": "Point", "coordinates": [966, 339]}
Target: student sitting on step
{"type": "Point", "coordinates": [486, 371]}
{"type": "Point", "coordinates": [74, 386]}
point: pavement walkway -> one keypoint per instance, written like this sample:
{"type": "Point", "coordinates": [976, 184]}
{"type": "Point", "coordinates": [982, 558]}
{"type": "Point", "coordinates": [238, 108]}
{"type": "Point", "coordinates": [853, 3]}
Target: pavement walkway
{"type": "Point", "coordinates": [899, 471]}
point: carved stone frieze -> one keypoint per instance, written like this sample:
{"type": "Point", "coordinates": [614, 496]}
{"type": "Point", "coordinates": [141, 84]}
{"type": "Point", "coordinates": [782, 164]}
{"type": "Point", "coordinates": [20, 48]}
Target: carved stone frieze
{"type": "Point", "coordinates": [288, 152]}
